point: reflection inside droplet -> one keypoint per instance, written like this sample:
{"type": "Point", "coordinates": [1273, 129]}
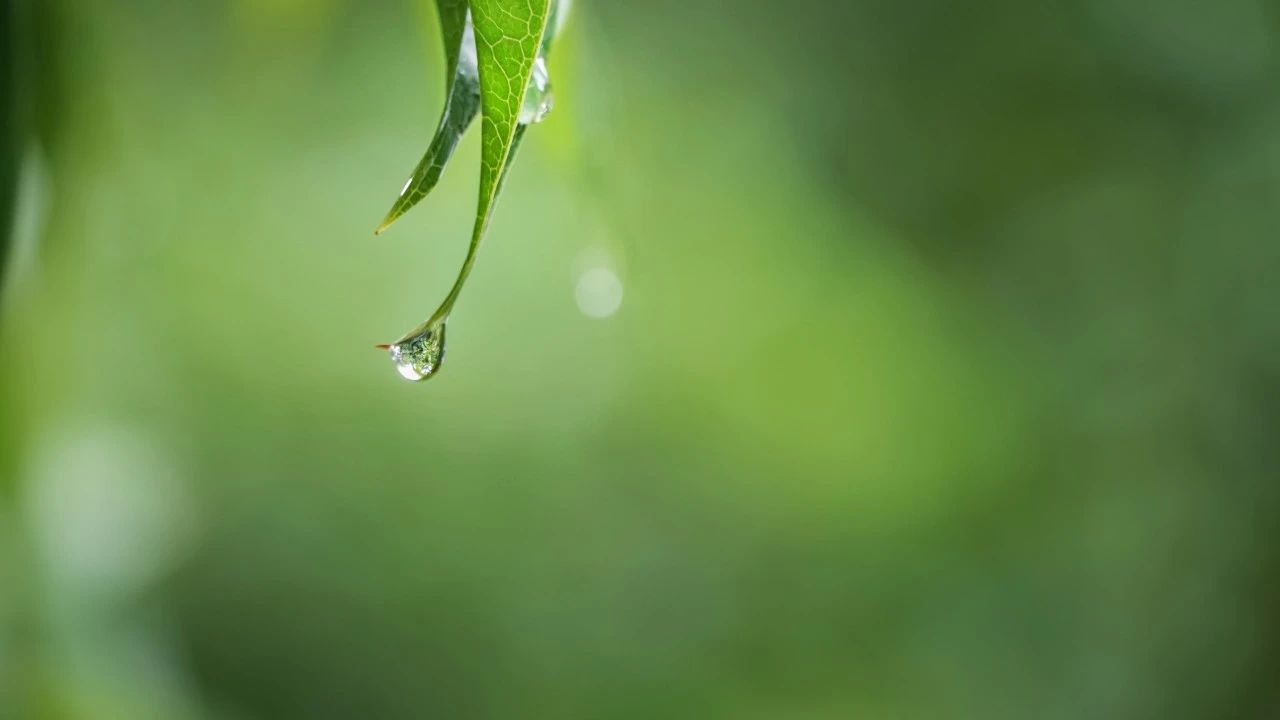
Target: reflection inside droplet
{"type": "Point", "coordinates": [538, 99]}
{"type": "Point", "coordinates": [598, 292]}
{"type": "Point", "coordinates": [418, 356]}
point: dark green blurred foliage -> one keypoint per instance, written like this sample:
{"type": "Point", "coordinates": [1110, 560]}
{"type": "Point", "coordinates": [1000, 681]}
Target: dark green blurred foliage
{"type": "Point", "coordinates": [944, 383]}
{"type": "Point", "coordinates": [8, 191]}
{"type": "Point", "coordinates": [10, 130]}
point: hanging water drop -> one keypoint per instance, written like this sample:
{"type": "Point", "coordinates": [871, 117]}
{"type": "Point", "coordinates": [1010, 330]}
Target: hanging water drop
{"type": "Point", "coordinates": [418, 355]}
{"type": "Point", "coordinates": [538, 99]}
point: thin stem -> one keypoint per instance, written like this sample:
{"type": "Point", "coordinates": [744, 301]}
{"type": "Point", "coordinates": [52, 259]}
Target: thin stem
{"type": "Point", "coordinates": [482, 224]}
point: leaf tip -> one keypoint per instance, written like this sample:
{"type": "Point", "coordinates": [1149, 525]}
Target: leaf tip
{"type": "Point", "coordinates": [386, 223]}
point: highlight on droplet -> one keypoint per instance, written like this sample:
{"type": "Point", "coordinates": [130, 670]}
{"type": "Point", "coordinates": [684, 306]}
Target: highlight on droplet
{"type": "Point", "coordinates": [538, 99]}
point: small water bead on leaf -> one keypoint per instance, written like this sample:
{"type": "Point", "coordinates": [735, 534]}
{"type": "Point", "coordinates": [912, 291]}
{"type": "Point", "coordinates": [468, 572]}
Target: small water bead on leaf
{"type": "Point", "coordinates": [538, 99]}
{"type": "Point", "coordinates": [418, 355]}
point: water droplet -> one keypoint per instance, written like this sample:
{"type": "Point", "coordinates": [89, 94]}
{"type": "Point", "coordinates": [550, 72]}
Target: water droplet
{"type": "Point", "coordinates": [538, 99]}
{"type": "Point", "coordinates": [418, 356]}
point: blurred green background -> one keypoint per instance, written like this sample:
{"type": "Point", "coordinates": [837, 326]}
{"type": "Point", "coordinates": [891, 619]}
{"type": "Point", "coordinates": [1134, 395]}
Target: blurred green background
{"type": "Point", "coordinates": [945, 380]}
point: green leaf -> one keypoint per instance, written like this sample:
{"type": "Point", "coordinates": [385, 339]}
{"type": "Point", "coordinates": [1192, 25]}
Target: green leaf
{"type": "Point", "coordinates": [462, 103]}
{"type": "Point", "coordinates": [508, 36]}
{"type": "Point", "coordinates": [497, 49]}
